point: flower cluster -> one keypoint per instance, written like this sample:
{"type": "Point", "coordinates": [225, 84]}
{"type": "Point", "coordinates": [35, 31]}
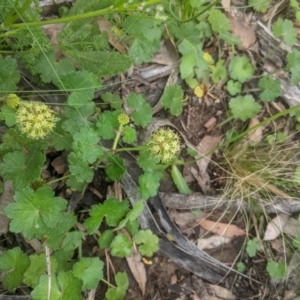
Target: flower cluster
{"type": "Point", "coordinates": [12, 101]}
{"type": "Point", "coordinates": [160, 14]}
{"type": "Point", "coordinates": [165, 144]}
{"type": "Point", "coordinates": [35, 119]}
{"type": "Point", "coordinates": [123, 119]}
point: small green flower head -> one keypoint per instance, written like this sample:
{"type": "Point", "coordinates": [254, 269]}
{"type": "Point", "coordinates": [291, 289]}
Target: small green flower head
{"type": "Point", "coordinates": [123, 119]}
{"type": "Point", "coordinates": [35, 119]}
{"type": "Point", "coordinates": [165, 144]}
{"type": "Point", "coordinates": [12, 101]}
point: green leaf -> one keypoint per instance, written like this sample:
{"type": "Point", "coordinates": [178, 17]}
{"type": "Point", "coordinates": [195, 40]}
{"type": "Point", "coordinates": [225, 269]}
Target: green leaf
{"type": "Point", "coordinates": [241, 267]}
{"type": "Point", "coordinates": [90, 271]}
{"type": "Point", "coordinates": [219, 22]}
{"type": "Point", "coordinates": [142, 51]}
{"type": "Point", "coordinates": [22, 168]}
{"type": "Point", "coordinates": [192, 82]}
{"type": "Point", "coordinates": [296, 242]}
{"type": "Point", "coordinates": [63, 287]}
{"type": "Point", "coordinates": [64, 259]}
{"type": "Point", "coordinates": [195, 54]}
{"type": "Point", "coordinates": [59, 138]}
{"type": "Point", "coordinates": [112, 99]}
{"type": "Point", "coordinates": [74, 184]}
{"type": "Point", "coordinates": [253, 246]}
{"type": "Point", "coordinates": [85, 145]}
{"type": "Point", "coordinates": [132, 215]}
{"type": "Point", "coordinates": [147, 161]}
{"type": "Point", "coordinates": [14, 263]}
{"type": "Point", "coordinates": [77, 117]}
{"type": "Point", "coordinates": [12, 140]}
{"type": "Point", "coordinates": [260, 5]}
{"type": "Point", "coordinates": [294, 4]}
{"type": "Point", "coordinates": [8, 115]}
{"type": "Point", "coordinates": [142, 27]}
{"type": "Point", "coordinates": [9, 75]}
{"type": "Point", "coordinates": [219, 72]}
{"type": "Point", "coordinates": [129, 135]}
{"type": "Point", "coordinates": [106, 238]}
{"type": "Point", "coordinates": [241, 69]}
{"type": "Point", "coordinates": [133, 226]}
{"type": "Point", "coordinates": [147, 38]}
{"type": "Point", "coordinates": [112, 209]}
{"type": "Point", "coordinates": [72, 240]}
{"type": "Point", "coordinates": [37, 267]}
{"type": "Point", "coordinates": [190, 32]}
{"type": "Point", "coordinates": [244, 107]}
{"type": "Point", "coordinates": [80, 169]}
{"type": "Point", "coordinates": [293, 59]}
{"type": "Point", "coordinates": [80, 86]}
{"type": "Point", "coordinates": [143, 112]}
{"type": "Point", "coordinates": [204, 28]}
{"type": "Point", "coordinates": [107, 124]}
{"type": "Point", "coordinates": [136, 210]}
{"type": "Point", "coordinates": [122, 286]}
{"type": "Point", "coordinates": [179, 181]}
{"type": "Point", "coordinates": [187, 64]}
{"type": "Point", "coordinates": [50, 69]}
{"type": "Point", "coordinates": [121, 246]}
{"type": "Point", "coordinates": [271, 88]}
{"type": "Point", "coordinates": [276, 270]}
{"type": "Point", "coordinates": [186, 47]}
{"type": "Point", "coordinates": [172, 99]}
{"type": "Point", "coordinates": [40, 209]}
{"type": "Point", "coordinates": [285, 29]}
{"type": "Point", "coordinates": [149, 184]}
{"type": "Point", "coordinates": [148, 242]}
{"type": "Point", "coordinates": [294, 66]}
{"type": "Point", "coordinates": [229, 38]}
{"type": "Point", "coordinates": [233, 87]}
{"type": "Point", "coordinates": [295, 79]}
{"type": "Point", "coordinates": [82, 36]}
{"type": "Point", "coordinates": [103, 63]}
{"type": "Point", "coordinates": [115, 169]}
{"type": "Point", "coordinates": [56, 235]}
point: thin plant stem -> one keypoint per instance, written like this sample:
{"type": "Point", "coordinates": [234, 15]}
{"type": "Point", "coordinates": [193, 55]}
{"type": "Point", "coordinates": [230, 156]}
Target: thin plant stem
{"type": "Point", "coordinates": [108, 10]}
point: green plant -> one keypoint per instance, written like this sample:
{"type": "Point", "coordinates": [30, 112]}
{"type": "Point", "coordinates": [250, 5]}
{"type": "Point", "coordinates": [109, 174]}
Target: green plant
{"type": "Point", "coordinates": [258, 169]}
{"type": "Point", "coordinates": [276, 270]}
{"type": "Point", "coordinates": [253, 246]}
{"type": "Point", "coordinates": [75, 64]}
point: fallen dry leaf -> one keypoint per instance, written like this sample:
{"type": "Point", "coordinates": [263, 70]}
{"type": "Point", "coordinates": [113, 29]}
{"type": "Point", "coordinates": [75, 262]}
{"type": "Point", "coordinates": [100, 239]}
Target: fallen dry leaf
{"type": "Point", "coordinates": [167, 54]}
{"type": "Point", "coordinates": [212, 242]}
{"type": "Point", "coordinates": [207, 144]}
{"type": "Point", "coordinates": [256, 135]}
{"type": "Point", "coordinates": [226, 4]}
{"type": "Point", "coordinates": [185, 219]}
{"type": "Point", "coordinates": [223, 229]}
{"type": "Point", "coordinates": [292, 227]}
{"type": "Point", "coordinates": [274, 228]}
{"type": "Point", "coordinates": [217, 292]}
{"type": "Point", "coordinates": [241, 29]}
{"type": "Point", "coordinates": [210, 124]}
{"type": "Point", "coordinates": [60, 163]}
{"type": "Point", "coordinates": [137, 269]}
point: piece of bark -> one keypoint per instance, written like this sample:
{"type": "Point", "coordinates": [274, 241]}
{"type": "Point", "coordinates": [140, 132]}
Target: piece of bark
{"type": "Point", "coordinates": [199, 201]}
